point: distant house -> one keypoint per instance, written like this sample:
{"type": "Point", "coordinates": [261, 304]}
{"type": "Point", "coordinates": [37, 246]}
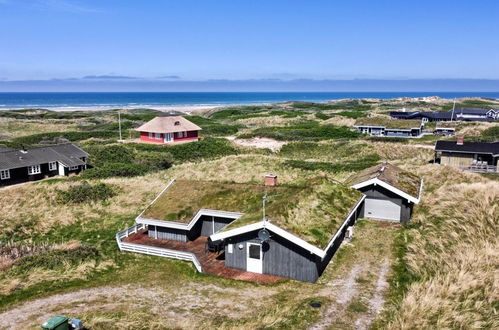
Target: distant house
{"type": "Point", "coordinates": [169, 130]}
{"type": "Point", "coordinates": [224, 230]}
{"type": "Point", "coordinates": [445, 128]}
{"type": "Point", "coordinates": [471, 156]}
{"type": "Point", "coordinates": [385, 126]}
{"type": "Point", "coordinates": [23, 165]}
{"type": "Point", "coordinates": [460, 114]}
{"type": "Point", "coordinates": [474, 114]}
{"type": "Point", "coordinates": [390, 192]}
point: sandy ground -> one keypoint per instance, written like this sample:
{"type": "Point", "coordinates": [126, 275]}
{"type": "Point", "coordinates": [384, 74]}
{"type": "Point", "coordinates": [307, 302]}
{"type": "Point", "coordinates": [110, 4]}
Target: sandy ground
{"type": "Point", "coordinates": [345, 290]}
{"type": "Point", "coordinates": [258, 142]}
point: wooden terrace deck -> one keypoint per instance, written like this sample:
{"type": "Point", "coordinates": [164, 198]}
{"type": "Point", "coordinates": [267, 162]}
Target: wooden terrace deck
{"type": "Point", "coordinates": [211, 263]}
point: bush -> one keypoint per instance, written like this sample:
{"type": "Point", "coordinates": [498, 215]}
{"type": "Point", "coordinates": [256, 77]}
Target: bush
{"type": "Point", "coordinates": [57, 259]}
{"type": "Point", "coordinates": [207, 148]}
{"type": "Point", "coordinates": [358, 165]}
{"type": "Point", "coordinates": [305, 131]}
{"type": "Point", "coordinates": [322, 116]}
{"type": "Point", "coordinates": [491, 134]}
{"type": "Point", "coordinates": [116, 153]}
{"type": "Point", "coordinates": [212, 128]}
{"type": "Point", "coordinates": [85, 192]}
{"type": "Point", "coordinates": [352, 114]}
{"type": "Point", "coordinates": [71, 136]}
{"type": "Point", "coordinates": [108, 170]}
{"type": "Point", "coordinates": [154, 160]}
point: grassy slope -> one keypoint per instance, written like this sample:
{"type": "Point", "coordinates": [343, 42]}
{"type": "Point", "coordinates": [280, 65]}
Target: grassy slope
{"type": "Point", "coordinates": [453, 239]}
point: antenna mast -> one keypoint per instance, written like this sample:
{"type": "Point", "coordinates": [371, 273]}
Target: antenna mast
{"type": "Point", "coordinates": [119, 124]}
{"type": "Point", "coordinates": [453, 108]}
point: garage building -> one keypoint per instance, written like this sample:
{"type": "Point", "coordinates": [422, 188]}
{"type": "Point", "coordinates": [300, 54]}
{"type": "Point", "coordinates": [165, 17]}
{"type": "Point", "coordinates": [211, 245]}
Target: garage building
{"type": "Point", "coordinates": [390, 192]}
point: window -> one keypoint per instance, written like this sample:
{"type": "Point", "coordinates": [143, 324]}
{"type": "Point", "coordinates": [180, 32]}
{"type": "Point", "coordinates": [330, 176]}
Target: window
{"type": "Point", "coordinates": [182, 134]}
{"type": "Point", "coordinates": [254, 251]}
{"type": "Point", "coordinates": [151, 135]}
{"type": "Point", "coordinates": [72, 168]}
{"type": "Point", "coordinates": [4, 174]}
{"type": "Point", "coordinates": [158, 136]}
{"type": "Point", "coordinates": [230, 248]}
{"type": "Point", "coordinates": [35, 169]}
{"type": "Point", "coordinates": [52, 166]}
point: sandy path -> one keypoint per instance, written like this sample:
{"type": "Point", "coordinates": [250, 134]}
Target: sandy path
{"type": "Point", "coordinates": [174, 305]}
{"type": "Point", "coordinates": [258, 142]}
{"type": "Point", "coordinates": [40, 308]}
{"type": "Point", "coordinates": [344, 290]}
{"type": "Point", "coordinates": [377, 300]}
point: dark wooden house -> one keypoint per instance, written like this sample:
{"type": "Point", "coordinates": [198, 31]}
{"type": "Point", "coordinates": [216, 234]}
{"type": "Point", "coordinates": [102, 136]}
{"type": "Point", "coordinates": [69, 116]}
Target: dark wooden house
{"type": "Point", "coordinates": [471, 156]}
{"type": "Point", "coordinates": [386, 126]}
{"type": "Point", "coordinates": [33, 164]}
{"type": "Point", "coordinates": [390, 192]}
{"type": "Point", "coordinates": [289, 231]}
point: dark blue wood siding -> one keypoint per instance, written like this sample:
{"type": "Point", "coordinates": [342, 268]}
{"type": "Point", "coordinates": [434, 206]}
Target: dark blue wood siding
{"type": "Point", "coordinates": [167, 233]}
{"type": "Point", "coordinates": [280, 257]}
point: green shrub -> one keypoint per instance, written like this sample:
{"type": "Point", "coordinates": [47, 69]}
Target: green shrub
{"type": "Point", "coordinates": [57, 259]}
{"type": "Point", "coordinates": [352, 114]}
{"type": "Point", "coordinates": [85, 192]}
{"type": "Point", "coordinates": [108, 170]}
{"type": "Point", "coordinates": [115, 153]}
{"type": "Point", "coordinates": [154, 160]}
{"type": "Point", "coordinates": [358, 165]}
{"type": "Point", "coordinates": [212, 128]}
{"type": "Point", "coordinates": [490, 134]}
{"type": "Point", "coordinates": [207, 148]}
{"type": "Point", "coordinates": [322, 116]}
{"type": "Point", "coordinates": [71, 136]}
{"type": "Point", "coordinates": [304, 131]}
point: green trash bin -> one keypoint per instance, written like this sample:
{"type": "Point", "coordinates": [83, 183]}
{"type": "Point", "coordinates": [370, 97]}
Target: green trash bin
{"type": "Point", "coordinates": [56, 323]}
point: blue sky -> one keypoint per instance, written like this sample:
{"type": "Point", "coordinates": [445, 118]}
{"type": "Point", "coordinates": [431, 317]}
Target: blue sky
{"type": "Point", "coordinates": [174, 40]}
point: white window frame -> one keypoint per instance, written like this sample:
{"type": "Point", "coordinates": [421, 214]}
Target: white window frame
{"type": "Point", "coordinates": [4, 174]}
{"type": "Point", "coordinates": [52, 166]}
{"type": "Point", "coordinates": [34, 169]}
{"type": "Point", "coordinates": [73, 168]}
{"type": "Point", "coordinates": [230, 248]}
{"type": "Point", "coordinates": [157, 136]}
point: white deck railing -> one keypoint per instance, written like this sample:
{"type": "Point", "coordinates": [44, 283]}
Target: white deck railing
{"type": "Point", "coordinates": [150, 250]}
{"type": "Point", "coordinates": [482, 169]}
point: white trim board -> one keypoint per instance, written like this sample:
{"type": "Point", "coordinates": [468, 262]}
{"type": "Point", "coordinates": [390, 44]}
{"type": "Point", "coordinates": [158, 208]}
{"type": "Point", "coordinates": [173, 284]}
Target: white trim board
{"type": "Point", "coordinates": [376, 181]}
{"type": "Point", "coordinates": [188, 226]}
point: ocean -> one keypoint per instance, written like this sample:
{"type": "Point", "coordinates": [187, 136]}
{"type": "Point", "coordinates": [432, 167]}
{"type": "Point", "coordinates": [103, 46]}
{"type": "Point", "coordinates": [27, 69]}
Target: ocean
{"type": "Point", "coordinates": [170, 100]}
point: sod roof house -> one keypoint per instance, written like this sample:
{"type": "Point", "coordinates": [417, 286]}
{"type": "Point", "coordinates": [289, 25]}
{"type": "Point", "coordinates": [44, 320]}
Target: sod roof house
{"type": "Point", "coordinates": [294, 235]}
{"type": "Point", "coordinates": [390, 192]}
{"type": "Point", "coordinates": [386, 126]}
{"type": "Point", "coordinates": [169, 130]}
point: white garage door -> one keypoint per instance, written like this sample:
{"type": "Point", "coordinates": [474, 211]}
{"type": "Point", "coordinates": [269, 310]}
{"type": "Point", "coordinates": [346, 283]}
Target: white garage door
{"type": "Point", "coordinates": [382, 209]}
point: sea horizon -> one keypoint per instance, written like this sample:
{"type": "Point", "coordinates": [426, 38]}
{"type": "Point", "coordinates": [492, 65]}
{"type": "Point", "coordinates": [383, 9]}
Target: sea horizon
{"type": "Point", "coordinates": [75, 101]}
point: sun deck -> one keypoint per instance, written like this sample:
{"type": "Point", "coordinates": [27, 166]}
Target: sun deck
{"type": "Point", "coordinates": [211, 263]}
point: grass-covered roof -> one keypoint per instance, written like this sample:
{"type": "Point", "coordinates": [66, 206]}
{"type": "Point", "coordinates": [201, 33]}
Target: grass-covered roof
{"type": "Point", "coordinates": [391, 174]}
{"type": "Point", "coordinates": [312, 211]}
{"type": "Point", "coordinates": [388, 122]}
